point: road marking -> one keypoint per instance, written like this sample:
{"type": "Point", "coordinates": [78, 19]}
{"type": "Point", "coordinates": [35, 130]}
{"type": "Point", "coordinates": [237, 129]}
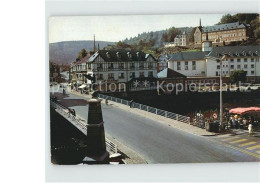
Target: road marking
{"type": "Point", "coordinates": [230, 138]}
{"type": "Point", "coordinates": [246, 144]}
{"type": "Point", "coordinates": [237, 141]}
{"type": "Point", "coordinates": [254, 147]}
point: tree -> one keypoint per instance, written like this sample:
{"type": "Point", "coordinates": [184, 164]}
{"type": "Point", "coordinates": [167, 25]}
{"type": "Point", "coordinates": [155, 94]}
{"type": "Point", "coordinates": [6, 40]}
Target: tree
{"type": "Point", "coordinates": [82, 54]}
{"type": "Point", "coordinates": [165, 37]}
{"type": "Point", "coordinates": [257, 33]}
{"type": "Point", "coordinates": [191, 36]}
{"type": "Point", "coordinates": [227, 18]}
{"type": "Point", "coordinates": [172, 33]}
{"type": "Point", "coordinates": [238, 75]}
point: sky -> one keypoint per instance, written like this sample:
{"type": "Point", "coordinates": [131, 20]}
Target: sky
{"type": "Point", "coordinates": [116, 28]}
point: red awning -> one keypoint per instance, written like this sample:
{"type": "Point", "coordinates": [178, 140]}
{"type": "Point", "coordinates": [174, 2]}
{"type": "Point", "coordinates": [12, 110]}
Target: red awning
{"type": "Point", "coordinates": [242, 110]}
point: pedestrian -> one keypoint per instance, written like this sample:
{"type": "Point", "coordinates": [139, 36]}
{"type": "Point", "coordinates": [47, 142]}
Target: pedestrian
{"type": "Point", "coordinates": [73, 112]}
{"type": "Point", "coordinates": [250, 129]}
{"type": "Point", "coordinates": [130, 103]}
{"type": "Point", "coordinates": [63, 91]}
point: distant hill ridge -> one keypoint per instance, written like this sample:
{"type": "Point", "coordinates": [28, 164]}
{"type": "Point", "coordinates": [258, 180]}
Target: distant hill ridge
{"type": "Point", "coordinates": [67, 51]}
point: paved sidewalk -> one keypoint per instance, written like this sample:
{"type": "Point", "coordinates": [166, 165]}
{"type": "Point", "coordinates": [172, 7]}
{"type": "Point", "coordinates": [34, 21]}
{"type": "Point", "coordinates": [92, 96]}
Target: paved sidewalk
{"type": "Point", "coordinates": [170, 122]}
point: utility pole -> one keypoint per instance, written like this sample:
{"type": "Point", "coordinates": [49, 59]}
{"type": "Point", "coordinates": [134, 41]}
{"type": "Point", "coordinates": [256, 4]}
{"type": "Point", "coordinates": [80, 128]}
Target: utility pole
{"type": "Point", "coordinates": [220, 90]}
{"type": "Point", "coordinates": [94, 44]}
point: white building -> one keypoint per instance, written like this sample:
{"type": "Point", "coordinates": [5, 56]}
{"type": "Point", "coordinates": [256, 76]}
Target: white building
{"type": "Point", "coordinates": [188, 63]}
{"type": "Point", "coordinates": [181, 40]}
{"type": "Point", "coordinates": [239, 58]}
{"type": "Point", "coordinates": [206, 62]}
{"type": "Point", "coordinates": [121, 66]}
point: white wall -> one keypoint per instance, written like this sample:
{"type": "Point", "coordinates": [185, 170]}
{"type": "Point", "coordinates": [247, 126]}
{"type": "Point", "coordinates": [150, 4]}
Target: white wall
{"type": "Point", "coordinates": [200, 67]}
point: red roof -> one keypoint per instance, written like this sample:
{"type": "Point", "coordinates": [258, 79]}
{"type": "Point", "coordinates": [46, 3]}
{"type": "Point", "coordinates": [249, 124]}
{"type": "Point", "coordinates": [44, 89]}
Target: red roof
{"type": "Point", "coordinates": [241, 110]}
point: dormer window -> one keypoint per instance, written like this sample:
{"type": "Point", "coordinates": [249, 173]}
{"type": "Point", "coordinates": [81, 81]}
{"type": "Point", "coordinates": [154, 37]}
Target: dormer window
{"type": "Point", "coordinates": [129, 55]}
{"type": "Point", "coordinates": [118, 55]}
{"type": "Point", "coordinates": [237, 53]}
{"type": "Point", "coordinates": [108, 55]}
{"type": "Point", "coordinates": [137, 54]}
{"type": "Point", "coordinates": [244, 53]}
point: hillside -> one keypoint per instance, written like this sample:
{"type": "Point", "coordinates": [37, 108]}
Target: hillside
{"type": "Point", "coordinates": [67, 51]}
{"type": "Point", "coordinates": [156, 35]}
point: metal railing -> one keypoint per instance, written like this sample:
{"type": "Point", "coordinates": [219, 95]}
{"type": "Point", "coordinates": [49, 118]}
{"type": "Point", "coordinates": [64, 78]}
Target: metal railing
{"type": "Point", "coordinates": [111, 147]}
{"type": "Point", "coordinates": [153, 110]}
{"type": "Point", "coordinates": [76, 121]}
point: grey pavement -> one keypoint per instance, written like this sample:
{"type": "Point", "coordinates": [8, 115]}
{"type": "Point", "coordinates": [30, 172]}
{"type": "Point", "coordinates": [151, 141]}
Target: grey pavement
{"type": "Point", "coordinates": [159, 143]}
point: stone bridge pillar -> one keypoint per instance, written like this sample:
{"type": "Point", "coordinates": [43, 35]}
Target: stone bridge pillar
{"type": "Point", "coordinates": [96, 144]}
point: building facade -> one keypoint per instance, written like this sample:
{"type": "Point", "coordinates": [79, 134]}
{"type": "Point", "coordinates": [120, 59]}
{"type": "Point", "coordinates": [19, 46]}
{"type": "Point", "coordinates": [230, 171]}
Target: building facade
{"type": "Point", "coordinates": [118, 68]}
{"type": "Point", "coordinates": [222, 33]}
{"type": "Point", "coordinates": [181, 40]}
{"type": "Point", "coordinates": [206, 63]}
{"type": "Point", "coordinates": [238, 58]}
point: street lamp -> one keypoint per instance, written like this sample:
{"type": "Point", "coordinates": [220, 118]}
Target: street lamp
{"type": "Point", "coordinates": [220, 90]}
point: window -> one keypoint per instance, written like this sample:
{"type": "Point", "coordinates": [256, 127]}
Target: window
{"type": "Point", "coordinates": [252, 66]}
{"type": "Point", "coordinates": [89, 66]}
{"type": "Point", "coordinates": [150, 74]}
{"type": "Point", "coordinates": [110, 75]}
{"type": "Point", "coordinates": [132, 74]}
{"type": "Point", "coordinates": [186, 66]}
{"type": "Point", "coordinates": [141, 74]}
{"type": "Point", "coordinates": [245, 66]}
{"type": "Point", "coordinates": [141, 65]}
{"type": "Point", "coordinates": [121, 65]}
{"type": "Point", "coordinates": [111, 66]}
{"type": "Point", "coordinates": [218, 66]}
{"type": "Point", "coordinates": [232, 60]}
{"type": "Point", "coordinates": [245, 59]}
{"type": "Point", "coordinates": [193, 65]}
{"type": "Point", "coordinates": [132, 65]}
{"type": "Point", "coordinates": [238, 66]}
{"type": "Point", "coordinates": [238, 60]}
{"type": "Point", "coordinates": [99, 66]}
{"type": "Point", "coordinates": [99, 76]}
{"type": "Point", "coordinates": [252, 59]}
{"type": "Point", "coordinates": [121, 75]}
{"type": "Point", "coordinates": [178, 65]}
{"type": "Point", "coordinates": [231, 66]}
{"type": "Point", "coordinates": [252, 72]}
{"type": "Point", "coordinates": [150, 65]}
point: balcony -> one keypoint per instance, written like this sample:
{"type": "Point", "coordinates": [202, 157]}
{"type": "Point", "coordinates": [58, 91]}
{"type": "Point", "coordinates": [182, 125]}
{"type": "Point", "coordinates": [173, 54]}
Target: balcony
{"type": "Point", "coordinates": [110, 68]}
{"type": "Point", "coordinates": [150, 66]}
{"type": "Point", "coordinates": [121, 67]}
{"type": "Point", "coordinates": [141, 67]}
{"type": "Point", "coordinates": [132, 67]}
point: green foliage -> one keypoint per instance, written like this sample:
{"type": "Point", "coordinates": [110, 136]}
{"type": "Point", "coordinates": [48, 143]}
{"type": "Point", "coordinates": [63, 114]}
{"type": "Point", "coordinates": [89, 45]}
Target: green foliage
{"type": "Point", "coordinates": [238, 75]}
{"type": "Point", "coordinates": [172, 33]}
{"type": "Point", "coordinates": [257, 33]}
{"type": "Point", "coordinates": [82, 54]}
{"type": "Point", "coordinates": [227, 18]}
{"type": "Point", "coordinates": [243, 18]}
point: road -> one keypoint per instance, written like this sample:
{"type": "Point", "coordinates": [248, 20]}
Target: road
{"type": "Point", "coordinates": [157, 142]}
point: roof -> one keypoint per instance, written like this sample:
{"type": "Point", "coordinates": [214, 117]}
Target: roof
{"type": "Point", "coordinates": [169, 73]}
{"type": "Point", "coordinates": [221, 27]}
{"type": "Point", "coordinates": [83, 60]}
{"type": "Point", "coordinates": [197, 55]}
{"type": "Point", "coordinates": [121, 55]}
{"type": "Point", "coordinates": [235, 51]}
